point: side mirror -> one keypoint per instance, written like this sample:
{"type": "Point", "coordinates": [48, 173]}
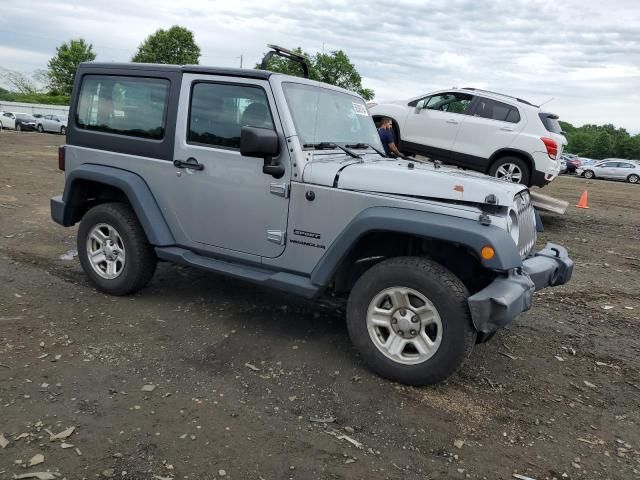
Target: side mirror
{"type": "Point", "coordinates": [420, 106]}
{"type": "Point", "coordinates": [262, 143]}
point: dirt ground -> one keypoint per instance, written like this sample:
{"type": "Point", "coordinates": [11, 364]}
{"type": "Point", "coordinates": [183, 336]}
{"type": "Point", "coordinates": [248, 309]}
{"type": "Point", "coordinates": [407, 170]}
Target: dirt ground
{"type": "Point", "coordinates": [255, 385]}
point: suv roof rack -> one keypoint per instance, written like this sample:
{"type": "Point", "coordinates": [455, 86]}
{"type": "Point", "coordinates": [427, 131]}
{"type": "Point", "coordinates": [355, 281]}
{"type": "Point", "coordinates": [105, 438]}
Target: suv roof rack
{"type": "Point", "coordinates": [285, 53]}
{"type": "Point", "coordinates": [501, 94]}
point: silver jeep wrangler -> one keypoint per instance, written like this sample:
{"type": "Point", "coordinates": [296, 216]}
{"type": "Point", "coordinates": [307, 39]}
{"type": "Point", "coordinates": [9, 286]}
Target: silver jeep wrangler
{"type": "Point", "coordinates": [281, 181]}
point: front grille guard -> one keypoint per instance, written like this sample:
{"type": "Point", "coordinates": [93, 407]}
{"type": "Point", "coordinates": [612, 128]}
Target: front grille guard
{"type": "Point", "coordinates": [526, 223]}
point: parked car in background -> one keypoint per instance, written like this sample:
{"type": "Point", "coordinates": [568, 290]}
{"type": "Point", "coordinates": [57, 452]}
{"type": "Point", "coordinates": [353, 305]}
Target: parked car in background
{"type": "Point", "coordinates": [588, 161]}
{"type": "Point", "coordinates": [572, 161]}
{"type": "Point", "coordinates": [52, 123]}
{"type": "Point", "coordinates": [563, 165]}
{"type": "Point", "coordinates": [502, 136]}
{"type": "Point", "coordinates": [17, 121]}
{"type": "Point", "coordinates": [613, 168]}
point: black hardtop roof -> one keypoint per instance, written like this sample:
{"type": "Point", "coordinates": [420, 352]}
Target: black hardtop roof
{"type": "Point", "coordinates": [229, 72]}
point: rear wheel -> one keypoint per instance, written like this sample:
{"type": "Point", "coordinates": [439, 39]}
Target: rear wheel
{"type": "Point", "coordinates": [409, 319]}
{"type": "Point", "coordinates": [40, 128]}
{"type": "Point", "coordinates": [588, 174]}
{"type": "Point", "coordinates": [63, 130]}
{"type": "Point", "coordinates": [633, 178]}
{"type": "Point", "coordinates": [511, 169]}
{"type": "Point", "coordinates": [113, 249]}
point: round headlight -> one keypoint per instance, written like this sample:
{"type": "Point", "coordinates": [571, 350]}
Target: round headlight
{"type": "Point", "coordinates": [512, 226]}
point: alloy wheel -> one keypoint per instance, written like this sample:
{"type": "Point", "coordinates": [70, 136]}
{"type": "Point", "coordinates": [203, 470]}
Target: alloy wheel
{"type": "Point", "coordinates": [509, 172]}
{"type": "Point", "coordinates": [105, 250]}
{"type": "Point", "coordinates": [404, 325]}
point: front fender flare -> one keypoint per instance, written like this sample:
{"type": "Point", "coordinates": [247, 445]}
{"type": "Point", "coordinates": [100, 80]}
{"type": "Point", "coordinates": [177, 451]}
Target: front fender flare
{"type": "Point", "coordinates": [132, 185]}
{"type": "Point", "coordinates": [422, 224]}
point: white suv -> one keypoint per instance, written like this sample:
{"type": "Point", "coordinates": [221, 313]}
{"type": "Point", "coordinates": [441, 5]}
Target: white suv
{"type": "Point", "coordinates": [496, 134]}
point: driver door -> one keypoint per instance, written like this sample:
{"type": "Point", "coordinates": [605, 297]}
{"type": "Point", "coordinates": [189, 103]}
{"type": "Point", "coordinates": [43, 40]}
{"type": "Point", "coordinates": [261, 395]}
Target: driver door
{"type": "Point", "coordinates": [229, 205]}
{"type": "Point", "coordinates": [433, 123]}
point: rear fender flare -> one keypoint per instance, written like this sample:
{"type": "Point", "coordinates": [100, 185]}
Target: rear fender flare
{"type": "Point", "coordinates": [132, 185]}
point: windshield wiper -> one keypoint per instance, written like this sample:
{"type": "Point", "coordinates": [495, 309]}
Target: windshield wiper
{"type": "Point", "coordinates": [331, 146]}
{"type": "Point", "coordinates": [368, 145]}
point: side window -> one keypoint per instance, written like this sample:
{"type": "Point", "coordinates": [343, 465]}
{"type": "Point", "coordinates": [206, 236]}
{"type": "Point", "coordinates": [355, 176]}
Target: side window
{"type": "Point", "coordinates": [493, 110]}
{"type": "Point", "coordinates": [132, 106]}
{"type": "Point", "coordinates": [219, 111]}
{"type": "Point", "coordinates": [610, 164]}
{"type": "Point", "coordinates": [625, 165]}
{"type": "Point", "coordinates": [47, 117]}
{"type": "Point", "coordinates": [448, 102]}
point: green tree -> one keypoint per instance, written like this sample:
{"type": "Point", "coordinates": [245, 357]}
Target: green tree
{"type": "Point", "coordinates": [334, 68]}
{"type": "Point", "coordinates": [63, 66]}
{"type": "Point", "coordinates": [579, 143]}
{"type": "Point", "coordinates": [601, 146]}
{"type": "Point", "coordinates": [174, 46]}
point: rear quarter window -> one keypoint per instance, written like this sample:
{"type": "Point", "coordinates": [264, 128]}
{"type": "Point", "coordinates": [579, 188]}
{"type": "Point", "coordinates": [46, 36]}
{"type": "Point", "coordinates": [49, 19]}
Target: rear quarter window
{"type": "Point", "coordinates": [494, 110]}
{"type": "Point", "coordinates": [550, 122]}
{"type": "Point", "coordinates": [130, 106]}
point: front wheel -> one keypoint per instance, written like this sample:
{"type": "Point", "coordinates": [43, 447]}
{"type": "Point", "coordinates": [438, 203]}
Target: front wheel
{"type": "Point", "coordinates": [19, 127]}
{"type": "Point", "coordinates": [40, 128]}
{"type": "Point", "coordinates": [113, 249]}
{"type": "Point", "coordinates": [511, 169]}
{"type": "Point", "coordinates": [409, 319]}
{"type": "Point", "coordinates": [63, 130]}
{"type": "Point", "coordinates": [588, 174]}
{"type": "Point", "coordinates": [633, 178]}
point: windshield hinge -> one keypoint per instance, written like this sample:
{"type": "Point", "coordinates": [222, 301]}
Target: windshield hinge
{"type": "Point", "coordinates": [280, 189]}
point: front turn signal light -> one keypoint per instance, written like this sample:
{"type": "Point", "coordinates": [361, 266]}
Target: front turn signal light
{"type": "Point", "coordinates": [487, 252]}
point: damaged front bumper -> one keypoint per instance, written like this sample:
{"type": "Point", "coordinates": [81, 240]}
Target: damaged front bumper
{"type": "Point", "coordinates": [498, 304]}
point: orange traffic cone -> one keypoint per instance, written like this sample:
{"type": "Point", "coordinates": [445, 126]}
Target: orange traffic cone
{"type": "Point", "coordinates": [583, 200]}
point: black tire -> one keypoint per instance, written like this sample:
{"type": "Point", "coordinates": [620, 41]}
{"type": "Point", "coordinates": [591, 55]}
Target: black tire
{"type": "Point", "coordinates": [63, 130]}
{"type": "Point", "coordinates": [525, 178]}
{"type": "Point", "coordinates": [40, 128]}
{"type": "Point", "coordinates": [588, 174]}
{"type": "Point", "coordinates": [633, 178]}
{"type": "Point", "coordinates": [141, 260]}
{"type": "Point", "coordinates": [445, 291]}
{"type": "Point", "coordinates": [19, 127]}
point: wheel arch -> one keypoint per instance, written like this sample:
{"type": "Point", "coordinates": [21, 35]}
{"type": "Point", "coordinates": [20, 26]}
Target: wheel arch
{"type": "Point", "coordinates": [512, 152]}
{"type": "Point", "coordinates": [381, 232]}
{"type": "Point", "coordinates": [90, 185]}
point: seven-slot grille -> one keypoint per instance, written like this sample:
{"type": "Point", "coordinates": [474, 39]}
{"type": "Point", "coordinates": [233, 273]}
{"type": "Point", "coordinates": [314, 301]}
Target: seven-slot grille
{"type": "Point", "coordinates": [526, 223]}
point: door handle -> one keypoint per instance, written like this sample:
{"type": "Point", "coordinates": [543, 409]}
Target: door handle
{"type": "Point", "coordinates": [507, 129]}
{"type": "Point", "coordinates": [190, 163]}
{"type": "Point", "coordinates": [453, 121]}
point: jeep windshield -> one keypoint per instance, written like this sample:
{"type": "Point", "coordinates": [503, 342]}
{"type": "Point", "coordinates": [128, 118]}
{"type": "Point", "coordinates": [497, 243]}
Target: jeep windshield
{"type": "Point", "coordinates": [324, 116]}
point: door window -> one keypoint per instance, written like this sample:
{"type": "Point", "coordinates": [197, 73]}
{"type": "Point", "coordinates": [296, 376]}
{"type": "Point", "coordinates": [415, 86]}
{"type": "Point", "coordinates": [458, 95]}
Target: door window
{"type": "Point", "coordinates": [625, 165]}
{"type": "Point", "coordinates": [609, 164]}
{"type": "Point", "coordinates": [491, 109]}
{"type": "Point", "coordinates": [448, 102]}
{"type": "Point", "coordinates": [219, 111]}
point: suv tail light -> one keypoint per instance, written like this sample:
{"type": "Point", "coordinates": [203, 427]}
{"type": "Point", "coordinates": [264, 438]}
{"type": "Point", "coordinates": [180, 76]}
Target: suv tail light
{"type": "Point", "coordinates": [552, 147]}
{"type": "Point", "coordinates": [61, 158]}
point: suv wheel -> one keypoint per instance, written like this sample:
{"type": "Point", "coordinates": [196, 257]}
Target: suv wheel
{"type": "Point", "coordinates": [113, 249]}
{"type": "Point", "coordinates": [39, 128]}
{"type": "Point", "coordinates": [409, 319]}
{"type": "Point", "coordinates": [588, 174]}
{"type": "Point", "coordinates": [633, 178]}
{"type": "Point", "coordinates": [511, 169]}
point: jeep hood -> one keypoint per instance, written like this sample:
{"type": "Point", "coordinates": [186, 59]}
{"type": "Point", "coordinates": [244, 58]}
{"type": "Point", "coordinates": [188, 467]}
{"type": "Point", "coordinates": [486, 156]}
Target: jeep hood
{"type": "Point", "coordinates": [409, 178]}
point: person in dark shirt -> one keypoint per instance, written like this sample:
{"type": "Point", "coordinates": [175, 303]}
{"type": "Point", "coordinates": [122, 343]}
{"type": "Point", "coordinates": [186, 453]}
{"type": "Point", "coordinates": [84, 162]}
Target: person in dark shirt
{"type": "Point", "coordinates": [385, 130]}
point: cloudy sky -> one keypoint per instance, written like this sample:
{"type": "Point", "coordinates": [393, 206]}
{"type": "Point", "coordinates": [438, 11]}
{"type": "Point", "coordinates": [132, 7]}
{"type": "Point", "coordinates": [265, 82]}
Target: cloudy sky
{"type": "Point", "coordinates": [585, 55]}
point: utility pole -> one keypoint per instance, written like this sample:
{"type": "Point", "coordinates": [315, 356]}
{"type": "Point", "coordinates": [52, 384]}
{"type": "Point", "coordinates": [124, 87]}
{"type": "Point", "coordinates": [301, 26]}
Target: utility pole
{"type": "Point", "coordinates": [241, 61]}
